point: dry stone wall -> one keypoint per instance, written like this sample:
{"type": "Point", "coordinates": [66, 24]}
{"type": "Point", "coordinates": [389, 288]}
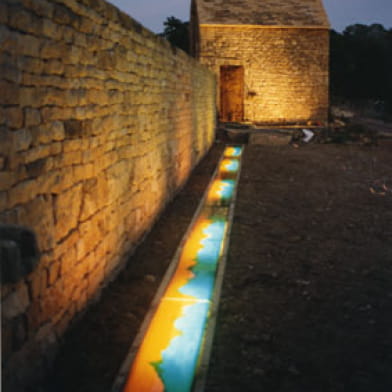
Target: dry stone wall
{"type": "Point", "coordinates": [101, 122]}
{"type": "Point", "coordinates": [286, 69]}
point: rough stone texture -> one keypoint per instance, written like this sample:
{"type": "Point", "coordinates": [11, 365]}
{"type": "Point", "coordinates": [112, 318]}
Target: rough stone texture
{"type": "Point", "coordinates": [286, 77]}
{"type": "Point", "coordinates": [266, 12]}
{"type": "Point", "coordinates": [101, 123]}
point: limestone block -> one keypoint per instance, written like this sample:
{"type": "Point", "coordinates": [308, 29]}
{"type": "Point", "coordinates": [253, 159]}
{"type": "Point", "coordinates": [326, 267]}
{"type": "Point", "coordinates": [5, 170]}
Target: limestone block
{"type": "Point", "coordinates": [28, 45]}
{"type": "Point", "coordinates": [72, 145]}
{"type": "Point", "coordinates": [41, 135]}
{"type": "Point", "coordinates": [56, 181]}
{"type": "Point", "coordinates": [54, 96]}
{"type": "Point", "coordinates": [80, 40]}
{"type": "Point", "coordinates": [83, 172]}
{"type": "Point", "coordinates": [37, 283]}
{"type": "Point", "coordinates": [73, 129]}
{"type": "Point", "coordinates": [54, 272]}
{"type": "Point", "coordinates": [46, 133]}
{"type": "Point", "coordinates": [53, 301]}
{"type": "Point", "coordinates": [9, 71]}
{"type": "Point", "coordinates": [68, 260]}
{"type": "Point", "coordinates": [36, 153]}
{"type": "Point", "coordinates": [57, 131]}
{"type": "Point", "coordinates": [7, 179]}
{"type": "Point", "coordinates": [32, 117]}
{"type": "Point", "coordinates": [95, 196]}
{"type": "Point", "coordinates": [102, 250]}
{"type": "Point", "coordinates": [22, 20]}
{"type": "Point", "coordinates": [56, 113]}
{"type": "Point", "coordinates": [67, 34]}
{"type": "Point", "coordinates": [119, 178]}
{"type": "Point", "coordinates": [15, 303]}
{"type": "Point", "coordinates": [38, 214]}
{"type": "Point", "coordinates": [67, 244]}
{"type": "Point", "coordinates": [70, 158]}
{"type": "Point", "coordinates": [9, 93]}
{"type": "Point", "coordinates": [8, 40]}
{"type": "Point", "coordinates": [29, 97]}
{"type": "Point", "coordinates": [30, 64]}
{"type": "Point", "coordinates": [42, 8]}
{"type": "Point", "coordinates": [63, 15]}
{"type": "Point", "coordinates": [95, 280]}
{"type": "Point", "coordinates": [13, 117]}
{"type": "Point", "coordinates": [67, 207]}
{"type": "Point", "coordinates": [54, 50]}
{"type": "Point", "coordinates": [90, 233]}
{"type": "Point", "coordinates": [22, 192]}
{"type": "Point", "coordinates": [54, 67]}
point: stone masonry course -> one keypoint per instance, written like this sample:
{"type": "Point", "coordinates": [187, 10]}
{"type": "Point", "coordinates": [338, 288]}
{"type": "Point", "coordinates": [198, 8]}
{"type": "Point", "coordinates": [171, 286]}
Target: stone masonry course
{"type": "Point", "coordinates": [101, 123]}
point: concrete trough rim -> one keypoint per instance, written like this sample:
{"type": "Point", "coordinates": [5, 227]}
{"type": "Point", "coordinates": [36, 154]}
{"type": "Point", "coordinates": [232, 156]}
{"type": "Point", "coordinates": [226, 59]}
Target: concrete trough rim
{"type": "Point", "coordinates": [200, 377]}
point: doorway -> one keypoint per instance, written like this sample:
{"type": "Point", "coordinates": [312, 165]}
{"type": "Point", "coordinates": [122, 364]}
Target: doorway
{"type": "Point", "coordinates": [231, 93]}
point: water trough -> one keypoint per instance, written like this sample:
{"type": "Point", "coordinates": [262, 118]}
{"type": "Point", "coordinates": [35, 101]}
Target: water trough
{"type": "Point", "coordinates": [172, 349]}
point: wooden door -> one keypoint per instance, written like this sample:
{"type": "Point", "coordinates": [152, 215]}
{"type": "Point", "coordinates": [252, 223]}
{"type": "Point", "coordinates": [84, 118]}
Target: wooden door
{"type": "Point", "coordinates": [231, 93]}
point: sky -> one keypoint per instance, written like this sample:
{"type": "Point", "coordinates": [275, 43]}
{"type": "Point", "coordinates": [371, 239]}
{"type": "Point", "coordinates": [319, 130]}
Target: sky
{"type": "Point", "coordinates": [152, 13]}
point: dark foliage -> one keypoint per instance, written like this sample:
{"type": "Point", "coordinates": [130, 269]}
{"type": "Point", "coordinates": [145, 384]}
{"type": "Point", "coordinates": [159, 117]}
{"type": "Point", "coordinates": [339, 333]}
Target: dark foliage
{"type": "Point", "coordinates": [361, 61]}
{"type": "Point", "coordinates": [176, 32]}
{"type": "Point", "coordinates": [361, 64]}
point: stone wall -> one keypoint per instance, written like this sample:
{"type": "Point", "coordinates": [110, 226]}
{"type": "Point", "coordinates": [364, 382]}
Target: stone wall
{"type": "Point", "coordinates": [286, 69]}
{"type": "Point", "coordinates": [101, 123]}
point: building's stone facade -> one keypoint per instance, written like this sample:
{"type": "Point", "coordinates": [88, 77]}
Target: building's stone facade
{"type": "Point", "coordinates": [101, 123]}
{"type": "Point", "coordinates": [286, 70]}
{"type": "Point", "coordinates": [271, 58]}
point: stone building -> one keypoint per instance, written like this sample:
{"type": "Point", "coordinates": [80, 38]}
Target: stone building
{"type": "Point", "coordinates": [271, 58]}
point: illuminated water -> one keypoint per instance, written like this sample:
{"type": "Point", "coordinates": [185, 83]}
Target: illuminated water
{"type": "Point", "coordinates": [167, 358]}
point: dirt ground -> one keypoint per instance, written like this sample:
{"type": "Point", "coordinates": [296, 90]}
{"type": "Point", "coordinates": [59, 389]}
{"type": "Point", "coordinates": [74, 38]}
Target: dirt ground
{"type": "Point", "coordinates": [307, 297]}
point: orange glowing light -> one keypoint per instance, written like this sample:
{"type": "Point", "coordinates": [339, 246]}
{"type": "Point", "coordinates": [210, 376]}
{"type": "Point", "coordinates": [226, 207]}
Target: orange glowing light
{"type": "Point", "coordinates": [143, 376]}
{"type": "Point", "coordinates": [231, 152]}
{"type": "Point", "coordinates": [169, 352]}
{"type": "Point", "coordinates": [215, 191]}
{"type": "Point", "coordinates": [229, 165]}
{"type": "Point", "coordinates": [187, 261]}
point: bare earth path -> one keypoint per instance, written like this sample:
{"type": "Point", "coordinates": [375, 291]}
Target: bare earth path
{"type": "Point", "coordinates": [307, 296]}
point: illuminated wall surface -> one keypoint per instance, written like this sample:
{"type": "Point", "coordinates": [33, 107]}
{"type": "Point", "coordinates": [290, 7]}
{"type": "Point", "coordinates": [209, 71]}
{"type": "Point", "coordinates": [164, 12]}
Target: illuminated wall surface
{"type": "Point", "coordinates": [167, 358]}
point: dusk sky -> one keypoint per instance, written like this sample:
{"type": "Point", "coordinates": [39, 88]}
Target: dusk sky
{"type": "Point", "coordinates": [152, 13]}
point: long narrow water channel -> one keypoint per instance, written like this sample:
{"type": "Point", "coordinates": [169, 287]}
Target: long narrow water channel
{"type": "Point", "coordinates": [168, 356]}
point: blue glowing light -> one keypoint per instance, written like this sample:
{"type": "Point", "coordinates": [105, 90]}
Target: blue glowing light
{"type": "Point", "coordinates": [233, 152]}
{"type": "Point", "coordinates": [232, 165]}
{"type": "Point", "coordinates": [180, 358]}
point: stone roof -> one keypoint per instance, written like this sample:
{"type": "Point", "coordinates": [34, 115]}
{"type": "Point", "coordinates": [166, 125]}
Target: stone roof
{"type": "Point", "coordinates": [262, 12]}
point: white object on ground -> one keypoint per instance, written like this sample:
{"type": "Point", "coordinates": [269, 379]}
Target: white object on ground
{"type": "Point", "coordinates": [308, 135]}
